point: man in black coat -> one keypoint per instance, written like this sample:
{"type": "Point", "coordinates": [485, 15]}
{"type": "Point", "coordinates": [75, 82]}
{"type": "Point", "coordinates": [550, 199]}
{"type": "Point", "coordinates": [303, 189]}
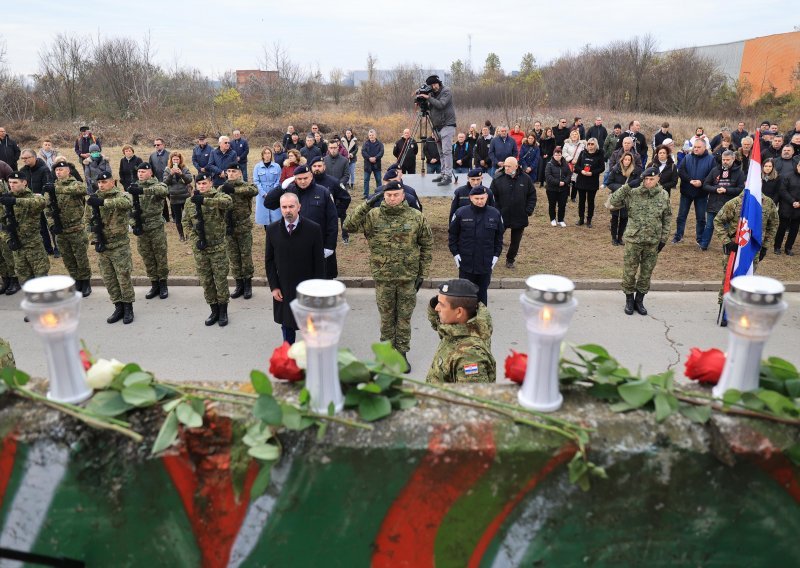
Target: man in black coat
{"type": "Point", "coordinates": [515, 196]}
{"type": "Point", "coordinates": [409, 163]}
{"type": "Point", "coordinates": [293, 254]}
{"type": "Point", "coordinates": [461, 194]}
{"type": "Point", "coordinates": [318, 206]}
{"type": "Point", "coordinates": [38, 174]}
{"type": "Point", "coordinates": [476, 240]}
{"type": "Point", "coordinates": [341, 198]}
{"type": "Point", "coordinates": [561, 131]}
{"type": "Point", "coordinates": [9, 150]}
{"type": "Point", "coordinates": [598, 131]}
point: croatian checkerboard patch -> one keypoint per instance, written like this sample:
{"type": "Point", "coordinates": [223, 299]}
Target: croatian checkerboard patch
{"type": "Point", "coordinates": [471, 369]}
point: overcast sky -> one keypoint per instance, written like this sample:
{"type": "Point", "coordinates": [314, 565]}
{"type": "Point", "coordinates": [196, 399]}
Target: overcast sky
{"type": "Point", "coordinates": [219, 36]}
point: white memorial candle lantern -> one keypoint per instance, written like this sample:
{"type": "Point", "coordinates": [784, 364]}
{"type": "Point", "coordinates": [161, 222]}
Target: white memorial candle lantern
{"type": "Point", "coordinates": [753, 307]}
{"type": "Point", "coordinates": [53, 306]}
{"type": "Point", "coordinates": [320, 309]}
{"type": "Point", "coordinates": [548, 305]}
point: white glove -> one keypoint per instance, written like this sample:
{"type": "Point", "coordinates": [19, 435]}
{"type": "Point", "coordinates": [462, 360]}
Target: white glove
{"type": "Point", "coordinates": [494, 261]}
{"type": "Point", "coordinates": [457, 258]}
{"type": "Point", "coordinates": [327, 252]}
{"type": "Point", "coordinates": [287, 182]}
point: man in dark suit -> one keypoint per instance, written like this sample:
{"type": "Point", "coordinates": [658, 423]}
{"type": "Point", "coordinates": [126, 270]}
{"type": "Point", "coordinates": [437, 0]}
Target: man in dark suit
{"type": "Point", "coordinates": [294, 254]}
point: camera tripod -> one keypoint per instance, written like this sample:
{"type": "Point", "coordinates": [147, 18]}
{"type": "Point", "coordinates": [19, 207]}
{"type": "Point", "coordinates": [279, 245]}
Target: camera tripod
{"type": "Point", "coordinates": [424, 127]}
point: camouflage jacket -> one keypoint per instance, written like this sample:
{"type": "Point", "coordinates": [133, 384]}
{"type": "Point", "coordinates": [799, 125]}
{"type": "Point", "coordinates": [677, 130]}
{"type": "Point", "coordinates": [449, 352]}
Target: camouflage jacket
{"type": "Point", "coordinates": [243, 202]}
{"type": "Point", "coordinates": [27, 210]}
{"type": "Point", "coordinates": [6, 355]}
{"type": "Point", "coordinates": [114, 212]}
{"type": "Point", "coordinates": [214, 206]}
{"type": "Point", "coordinates": [152, 203]}
{"type": "Point", "coordinates": [400, 240]}
{"type": "Point", "coordinates": [649, 213]}
{"type": "Point", "coordinates": [465, 350]}
{"type": "Point", "coordinates": [726, 221]}
{"type": "Point", "coordinates": [71, 200]}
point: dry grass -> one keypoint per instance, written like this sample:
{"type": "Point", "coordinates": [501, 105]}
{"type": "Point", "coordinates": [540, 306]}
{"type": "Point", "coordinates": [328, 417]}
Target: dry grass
{"type": "Point", "coordinates": [575, 252]}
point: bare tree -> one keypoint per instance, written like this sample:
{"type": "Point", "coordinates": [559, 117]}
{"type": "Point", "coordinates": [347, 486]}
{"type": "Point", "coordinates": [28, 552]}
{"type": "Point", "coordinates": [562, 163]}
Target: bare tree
{"type": "Point", "coordinates": [403, 79]}
{"type": "Point", "coordinates": [279, 94]}
{"type": "Point", "coordinates": [336, 79]}
{"type": "Point", "coordinates": [370, 92]}
{"type": "Point", "coordinates": [16, 102]}
{"type": "Point", "coordinates": [62, 70]}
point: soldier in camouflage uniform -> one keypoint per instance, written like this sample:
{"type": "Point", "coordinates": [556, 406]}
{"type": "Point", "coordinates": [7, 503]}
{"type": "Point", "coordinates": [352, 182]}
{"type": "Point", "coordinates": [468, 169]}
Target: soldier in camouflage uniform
{"type": "Point", "coordinates": [464, 326]}
{"type": "Point", "coordinates": [6, 355]}
{"type": "Point", "coordinates": [646, 234]}
{"type": "Point", "coordinates": [152, 243]}
{"type": "Point", "coordinates": [115, 261]}
{"type": "Point", "coordinates": [726, 223]}
{"type": "Point", "coordinates": [240, 231]}
{"type": "Point", "coordinates": [400, 244]}
{"type": "Point", "coordinates": [206, 233]}
{"type": "Point", "coordinates": [73, 241]}
{"type": "Point", "coordinates": [9, 284]}
{"type": "Point", "coordinates": [30, 259]}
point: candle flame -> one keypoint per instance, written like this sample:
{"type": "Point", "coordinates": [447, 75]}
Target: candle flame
{"type": "Point", "coordinates": [744, 322]}
{"type": "Point", "coordinates": [48, 319]}
{"type": "Point", "coordinates": [547, 314]}
{"type": "Point", "coordinates": [310, 326]}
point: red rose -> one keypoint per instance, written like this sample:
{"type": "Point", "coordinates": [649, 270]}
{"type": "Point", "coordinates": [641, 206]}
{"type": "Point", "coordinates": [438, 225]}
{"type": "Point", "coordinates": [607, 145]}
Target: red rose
{"type": "Point", "coordinates": [516, 363]}
{"type": "Point", "coordinates": [85, 360]}
{"type": "Point", "coordinates": [704, 366]}
{"type": "Point", "coordinates": [283, 367]}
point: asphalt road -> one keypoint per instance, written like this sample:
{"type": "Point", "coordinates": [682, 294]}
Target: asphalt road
{"type": "Point", "coordinates": [168, 336]}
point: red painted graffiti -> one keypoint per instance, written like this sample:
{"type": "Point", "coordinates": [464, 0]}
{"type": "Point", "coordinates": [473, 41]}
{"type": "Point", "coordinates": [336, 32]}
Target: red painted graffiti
{"type": "Point", "coordinates": [8, 452]}
{"type": "Point", "coordinates": [455, 461]}
{"type": "Point", "coordinates": [769, 458]}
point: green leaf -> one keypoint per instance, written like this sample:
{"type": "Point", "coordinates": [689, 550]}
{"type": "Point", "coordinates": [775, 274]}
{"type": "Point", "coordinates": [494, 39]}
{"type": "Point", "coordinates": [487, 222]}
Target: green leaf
{"type": "Point", "coordinates": [389, 356]}
{"type": "Point", "coordinates": [578, 472]}
{"type": "Point", "coordinates": [266, 452]}
{"type": "Point", "coordinates": [622, 407]}
{"type": "Point", "coordinates": [304, 396]}
{"type": "Point", "coordinates": [604, 392]}
{"type": "Point", "coordinates": [637, 393]}
{"type": "Point", "coordinates": [772, 383]}
{"type": "Point", "coordinates": [167, 434]}
{"type": "Point", "coordinates": [792, 387]}
{"type": "Point", "coordinates": [261, 482]}
{"type": "Point", "coordinates": [257, 434]}
{"type": "Point", "coordinates": [665, 404]}
{"type": "Point", "coordinates": [293, 419]}
{"type": "Point", "coordinates": [118, 383]}
{"type": "Point", "coordinates": [14, 377]}
{"type": "Point", "coordinates": [730, 396]}
{"type": "Point", "coordinates": [374, 408]}
{"type": "Point", "coordinates": [260, 382]}
{"type": "Point", "coordinates": [385, 382]}
{"type": "Point", "coordinates": [351, 369]}
{"type": "Point", "coordinates": [752, 401]}
{"type": "Point", "coordinates": [137, 377]}
{"type": "Point", "coordinates": [3, 387]}
{"type": "Point", "coordinates": [139, 395]}
{"type": "Point", "coordinates": [187, 415]}
{"type": "Point", "coordinates": [595, 350]}
{"type": "Point", "coordinates": [406, 402]}
{"type": "Point", "coordinates": [370, 387]}
{"type": "Point", "coordinates": [108, 403]}
{"type": "Point", "coordinates": [198, 405]}
{"type": "Point", "coordinates": [267, 409]}
{"type": "Point", "coordinates": [780, 368]}
{"type": "Point", "coordinates": [170, 406]}
{"type": "Point", "coordinates": [321, 431]}
{"type": "Point", "coordinates": [793, 453]}
{"type": "Point", "coordinates": [699, 414]}
{"type": "Point", "coordinates": [778, 403]}
{"type": "Point", "coordinates": [353, 397]}
{"type": "Point", "coordinates": [607, 367]}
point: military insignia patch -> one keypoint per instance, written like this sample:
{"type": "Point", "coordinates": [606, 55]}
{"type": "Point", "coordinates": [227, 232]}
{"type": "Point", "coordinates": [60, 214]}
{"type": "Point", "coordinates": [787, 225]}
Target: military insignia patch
{"type": "Point", "coordinates": [471, 369]}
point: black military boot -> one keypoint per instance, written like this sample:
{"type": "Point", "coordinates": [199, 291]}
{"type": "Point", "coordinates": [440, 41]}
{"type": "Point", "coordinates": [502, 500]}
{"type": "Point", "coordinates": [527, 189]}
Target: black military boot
{"type": "Point", "coordinates": [128, 313]}
{"type": "Point", "coordinates": [638, 303]}
{"type": "Point", "coordinates": [117, 315]}
{"type": "Point", "coordinates": [239, 290]}
{"type": "Point", "coordinates": [163, 291]}
{"type": "Point", "coordinates": [13, 286]}
{"type": "Point", "coordinates": [223, 315]}
{"type": "Point", "coordinates": [87, 288]}
{"type": "Point", "coordinates": [214, 317]}
{"type": "Point", "coordinates": [79, 285]}
{"type": "Point", "coordinates": [629, 304]}
{"type": "Point", "coordinates": [248, 288]}
{"type": "Point", "coordinates": [154, 289]}
{"type": "Point", "coordinates": [4, 284]}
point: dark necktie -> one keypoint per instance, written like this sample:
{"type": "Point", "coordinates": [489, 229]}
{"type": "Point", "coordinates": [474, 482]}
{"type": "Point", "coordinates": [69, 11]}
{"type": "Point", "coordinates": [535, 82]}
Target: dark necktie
{"type": "Point", "coordinates": [290, 227]}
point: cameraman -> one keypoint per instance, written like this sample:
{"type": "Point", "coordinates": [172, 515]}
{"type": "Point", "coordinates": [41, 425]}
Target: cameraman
{"type": "Point", "coordinates": [443, 117]}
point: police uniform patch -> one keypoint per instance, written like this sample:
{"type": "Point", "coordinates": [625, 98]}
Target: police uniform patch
{"type": "Point", "coordinates": [471, 369]}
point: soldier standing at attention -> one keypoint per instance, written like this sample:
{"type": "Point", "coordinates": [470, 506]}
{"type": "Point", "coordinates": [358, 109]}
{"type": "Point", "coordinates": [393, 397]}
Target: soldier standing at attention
{"type": "Point", "coordinates": [30, 258]}
{"type": "Point", "coordinates": [646, 234]}
{"type": "Point", "coordinates": [152, 243]}
{"type": "Point", "coordinates": [115, 261]}
{"type": "Point", "coordinates": [464, 326]}
{"type": "Point", "coordinates": [239, 231]}
{"type": "Point", "coordinates": [73, 239]}
{"type": "Point", "coordinates": [400, 245]}
{"type": "Point", "coordinates": [205, 221]}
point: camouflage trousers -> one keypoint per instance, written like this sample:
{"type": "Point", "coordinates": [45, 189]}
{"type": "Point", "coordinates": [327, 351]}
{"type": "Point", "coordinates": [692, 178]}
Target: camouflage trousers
{"type": "Point", "coordinates": [396, 300]}
{"type": "Point", "coordinates": [6, 355]}
{"type": "Point", "coordinates": [31, 261]}
{"type": "Point", "coordinates": [152, 247]}
{"type": "Point", "coordinates": [724, 269]}
{"type": "Point", "coordinates": [212, 270]}
{"type": "Point", "coordinates": [73, 247]}
{"type": "Point", "coordinates": [641, 257]}
{"type": "Point", "coordinates": [6, 260]}
{"type": "Point", "coordinates": [115, 267]}
{"type": "Point", "coordinates": [240, 251]}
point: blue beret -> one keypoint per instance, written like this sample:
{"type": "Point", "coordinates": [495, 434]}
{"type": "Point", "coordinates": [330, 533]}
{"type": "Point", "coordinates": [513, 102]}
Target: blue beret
{"type": "Point", "coordinates": [475, 172]}
{"type": "Point", "coordinates": [460, 288]}
{"type": "Point", "coordinates": [144, 166]}
{"type": "Point", "coordinates": [480, 190]}
{"type": "Point", "coordinates": [202, 177]}
{"type": "Point", "coordinates": [391, 173]}
{"type": "Point", "coordinates": [314, 160]}
{"type": "Point", "coordinates": [301, 170]}
{"type": "Point", "coordinates": [393, 186]}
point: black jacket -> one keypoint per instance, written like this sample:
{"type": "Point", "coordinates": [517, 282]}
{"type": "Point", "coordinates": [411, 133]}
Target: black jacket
{"type": "Point", "coordinates": [462, 152]}
{"type": "Point", "coordinates": [659, 137]}
{"type": "Point", "coordinates": [771, 188]}
{"type": "Point", "coordinates": [596, 164]}
{"type": "Point", "coordinates": [476, 233]}
{"type": "Point", "coordinates": [127, 170]}
{"type": "Point", "coordinates": [546, 147]}
{"type": "Point", "coordinates": [310, 153]}
{"type": "Point", "coordinates": [786, 168]}
{"type": "Point", "coordinates": [554, 173]}
{"type": "Point", "coordinates": [736, 137]}
{"type": "Point", "coordinates": [598, 132]}
{"type": "Point", "coordinates": [9, 152]}
{"type": "Point", "coordinates": [410, 162]}
{"type": "Point", "coordinates": [37, 176]}
{"type": "Point", "coordinates": [515, 198]}
{"type": "Point", "coordinates": [668, 178]}
{"type": "Point", "coordinates": [340, 195]}
{"type": "Point", "coordinates": [560, 134]}
{"type": "Point", "coordinates": [617, 179]}
{"type": "Point", "coordinates": [431, 151]}
{"type": "Point", "coordinates": [482, 153]}
{"type": "Point", "coordinates": [732, 180]}
{"type": "Point", "coordinates": [461, 199]}
{"type": "Point", "coordinates": [789, 193]}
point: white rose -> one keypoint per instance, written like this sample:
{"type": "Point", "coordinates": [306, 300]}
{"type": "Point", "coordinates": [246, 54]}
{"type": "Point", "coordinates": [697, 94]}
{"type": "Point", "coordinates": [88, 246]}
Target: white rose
{"type": "Point", "coordinates": [100, 375]}
{"type": "Point", "coordinates": [298, 352]}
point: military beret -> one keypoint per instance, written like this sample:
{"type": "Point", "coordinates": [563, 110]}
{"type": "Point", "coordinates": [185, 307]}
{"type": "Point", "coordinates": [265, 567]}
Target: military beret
{"type": "Point", "coordinates": [475, 173]}
{"type": "Point", "coordinates": [105, 175]}
{"type": "Point", "coordinates": [479, 190]}
{"type": "Point", "coordinates": [314, 160]}
{"type": "Point", "coordinates": [60, 165]}
{"type": "Point", "coordinates": [433, 79]}
{"type": "Point", "coordinates": [394, 166]}
{"type": "Point", "coordinates": [393, 186]}
{"type": "Point", "coordinates": [650, 172]}
{"type": "Point", "coordinates": [84, 129]}
{"type": "Point", "coordinates": [233, 167]}
{"type": "Point", "coordinates": [144, 166]}
{"type": "Point", "coordinates": [303, 169]}
{"type": "Point", "coordinates": [17, 175]}
{"type": "Point", "coordinates": [391, 173]}
{"type": "Point", "coordinates": [202, 177]}
{"type": "Point", "coordinates": [459, 288]}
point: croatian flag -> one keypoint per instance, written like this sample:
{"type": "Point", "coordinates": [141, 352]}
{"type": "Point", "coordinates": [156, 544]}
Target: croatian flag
{"type": "Point", "coordinates": [749, 234]}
